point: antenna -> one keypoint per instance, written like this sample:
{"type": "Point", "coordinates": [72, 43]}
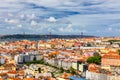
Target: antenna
{"type": "Point", "coordinates": [50, 35]}
{"type": "Point", "coordinates": [23, 33]}
{"type": "Point", "coordinates": [81, 35]}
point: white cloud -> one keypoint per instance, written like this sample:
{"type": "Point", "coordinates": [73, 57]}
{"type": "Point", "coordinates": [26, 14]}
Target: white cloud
{"type": "Point", "coordinates": [68, 29]}
{"type": "Point", "coordinates": [69, 26]}
{"type": "Point", "coordinates": [91, 15]}
{"type": "Point", "coordinates": [9, 14]}
{"type": "Point", "coordinates": [19, 25]}
{"type": "Point", "coordinates": [33, 23]}
{"type": "Point", "coordinates": [22, 16]}
{"type": "Point", "coordinates": [110, 29]}
{"type": "Point", "coordinates": [11, 21]}
{"type": "Point", "coordinates": [51, 19]}
{"type": "Point", "coordinates": [49, 3]}
{"type": "Point", "coordinates": [32, 16]}
{"type": "Point", "coordinates": [71, 29]}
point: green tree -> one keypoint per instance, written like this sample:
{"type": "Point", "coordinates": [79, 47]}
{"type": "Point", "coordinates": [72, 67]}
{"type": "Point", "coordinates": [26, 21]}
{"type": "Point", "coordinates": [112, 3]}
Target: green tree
{"type": "Point", "coordinates": [35, 62]}
{"type": "Point", "coordinates": [119, 51]}
{"type": "Point", "coordinates": [61, 70]}
{"type": "Point", "coordinates": [52, 46]}
{"type": "Point", "coordinates": [72, 70]}
{"type": "Point", "coordinates": [89, 44]}
{"type": "Point", "coordinates": [96, 54]}
{"type": "Point", "coordinates": [94, 59]}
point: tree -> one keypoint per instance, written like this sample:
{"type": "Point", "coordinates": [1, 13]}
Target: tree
{"type": "Point", "coordinates": [89, 45]}
{"type": "Point", "coordinates": [52, 46]}
{"type": "Point", "coordinates": [96, 54]}
{"type": "Point", "coordinates": [61, 70]}
{"type": "Point", "coordinates": [35, 62]}
{"type": "Point", "coordinates": [94, 59]}
{"type": "Point", "coordinates": [72, 70]}
{"type": "Point", "coordinates": [119, 51]}
{"type": "Point", "coordinates": [39, 69]}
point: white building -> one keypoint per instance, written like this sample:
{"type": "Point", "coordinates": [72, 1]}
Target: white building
{"type": "Point", "coordinates": [2, 60]}
{"type": "Point", "coordinates": [21, 58]}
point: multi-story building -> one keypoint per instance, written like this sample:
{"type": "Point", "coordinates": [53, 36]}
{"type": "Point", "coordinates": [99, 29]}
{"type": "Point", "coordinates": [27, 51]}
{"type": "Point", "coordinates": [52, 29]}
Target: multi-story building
{"type": "Point", "coordinates": [21, 58]}
{"type": "Point", "coordinates": [111, 59]}
{"type": "Point", "coordinates": [2, 60]}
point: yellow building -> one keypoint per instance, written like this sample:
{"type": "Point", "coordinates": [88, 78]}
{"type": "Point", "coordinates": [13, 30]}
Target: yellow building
{"type": "Point", "coordinates": [74, 65]}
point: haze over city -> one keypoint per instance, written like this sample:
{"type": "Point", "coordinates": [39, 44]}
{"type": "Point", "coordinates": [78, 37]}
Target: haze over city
{"type": "Point", "coordinates": [92, 17]}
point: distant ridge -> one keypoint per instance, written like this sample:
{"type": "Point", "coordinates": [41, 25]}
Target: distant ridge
{"type": "Point", "coordinates": [21, 36]}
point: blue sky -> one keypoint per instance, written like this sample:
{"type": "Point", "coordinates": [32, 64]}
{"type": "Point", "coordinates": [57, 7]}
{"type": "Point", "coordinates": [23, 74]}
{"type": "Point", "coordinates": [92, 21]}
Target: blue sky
{"type": "Point", "coordinates": [92, 17]}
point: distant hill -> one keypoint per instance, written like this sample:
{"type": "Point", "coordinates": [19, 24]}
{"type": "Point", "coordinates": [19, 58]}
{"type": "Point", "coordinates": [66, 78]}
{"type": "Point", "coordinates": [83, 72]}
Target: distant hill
{"type": "Point", "coordinates": [22, 36]}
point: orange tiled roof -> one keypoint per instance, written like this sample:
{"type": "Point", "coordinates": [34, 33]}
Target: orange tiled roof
{"type": "Point", "coordinates": [94, 68]}
{"type": "Point", "coordinates": [2, 74]}
{"type": "Point", "coordinates": [14, 78]}
{"type": "Point", "coordinates": [21, 72]}
{"type": "Point", "coordinates": [111, 55]}
{"type": "Point", "coordinates": [13, 72]}
{"type": "Point", "coordinates": [30, 79]}
{"type": "Point", "coordinates": [66, 75]}
{"type": "Point", "coordinates": [1, 78]}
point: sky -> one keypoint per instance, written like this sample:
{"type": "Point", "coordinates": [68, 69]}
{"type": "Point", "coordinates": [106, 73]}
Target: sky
{"type": "Point", "coordinates": [92, 17]}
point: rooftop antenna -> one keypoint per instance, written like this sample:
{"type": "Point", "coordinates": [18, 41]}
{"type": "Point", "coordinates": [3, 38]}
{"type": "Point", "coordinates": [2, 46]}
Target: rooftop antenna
{"type": "Point", "coordinates": [81, 35]}
{"type": "Point", "coordinates": [23, 33]}
{"type": "Point", "coordinates": [50, 35]}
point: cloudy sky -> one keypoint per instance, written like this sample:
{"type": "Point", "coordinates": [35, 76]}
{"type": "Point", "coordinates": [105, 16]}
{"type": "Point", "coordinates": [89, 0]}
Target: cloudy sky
{"type": "Point", "coordinates": [92, 17]}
